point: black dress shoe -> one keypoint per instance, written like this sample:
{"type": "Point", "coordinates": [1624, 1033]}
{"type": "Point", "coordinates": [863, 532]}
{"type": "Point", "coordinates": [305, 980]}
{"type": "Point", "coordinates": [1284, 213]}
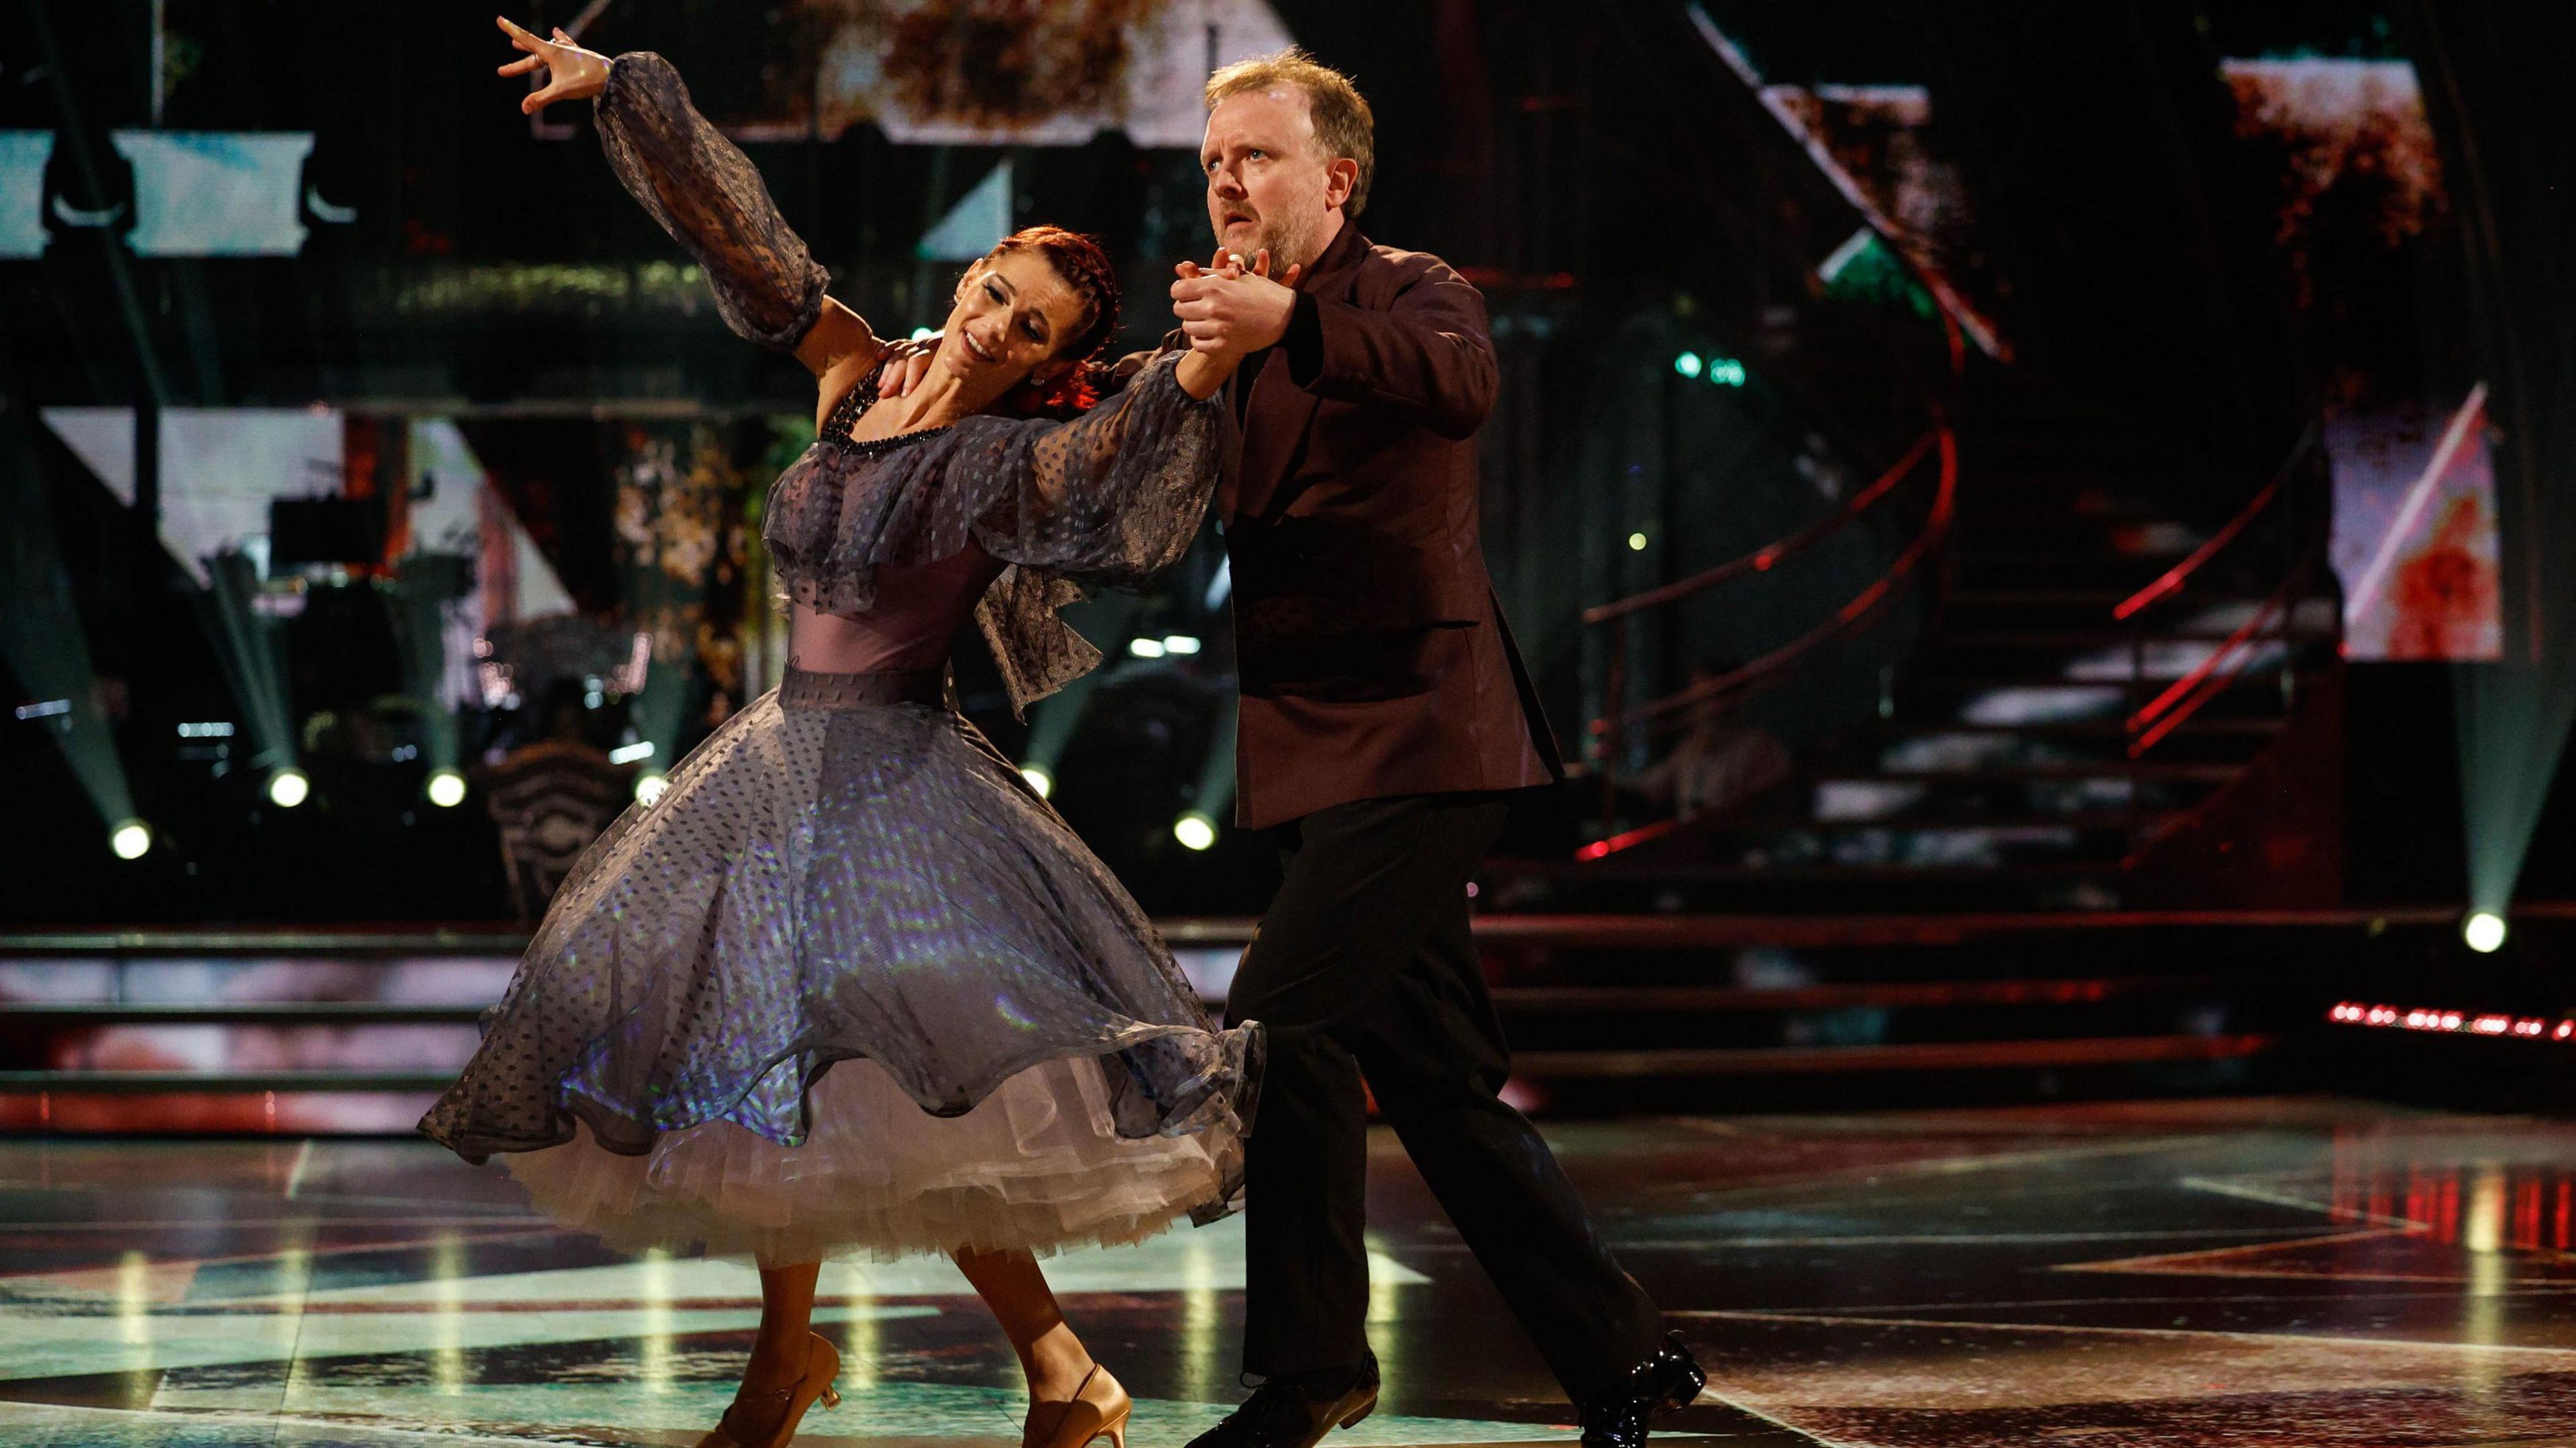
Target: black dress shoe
{"type": "Point", "coordinates": [1291, 1413]}
{"type": "Point", "coordinates": [1669, 1379]}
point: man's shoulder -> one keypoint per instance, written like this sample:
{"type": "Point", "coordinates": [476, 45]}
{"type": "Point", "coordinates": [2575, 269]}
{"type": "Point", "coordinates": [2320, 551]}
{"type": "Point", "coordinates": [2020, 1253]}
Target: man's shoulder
{"type": "Point", "coordinates": [1395, 261]}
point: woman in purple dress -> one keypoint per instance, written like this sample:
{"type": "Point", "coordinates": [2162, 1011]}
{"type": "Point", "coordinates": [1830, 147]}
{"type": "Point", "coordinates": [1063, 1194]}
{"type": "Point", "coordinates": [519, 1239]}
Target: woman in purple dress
{"type": "Point", "coordinates": [849, 986]}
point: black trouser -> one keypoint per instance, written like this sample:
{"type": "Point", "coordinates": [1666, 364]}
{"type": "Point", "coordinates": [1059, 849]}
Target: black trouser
{"type": "Point", "coordinates": [1365, 967]}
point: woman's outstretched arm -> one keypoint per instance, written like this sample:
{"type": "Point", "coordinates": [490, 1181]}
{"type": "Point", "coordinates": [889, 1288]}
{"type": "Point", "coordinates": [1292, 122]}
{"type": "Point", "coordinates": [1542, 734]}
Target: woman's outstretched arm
{"type": "Point", "coordinates": [704, 191]}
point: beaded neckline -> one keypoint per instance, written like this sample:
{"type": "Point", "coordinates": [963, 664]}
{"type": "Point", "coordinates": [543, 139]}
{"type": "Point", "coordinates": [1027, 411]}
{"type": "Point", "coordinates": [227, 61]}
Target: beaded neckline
{"type": "Point", "coordinates": [845, 416]}
{"type": "Point", "coordinates": [870, 447]}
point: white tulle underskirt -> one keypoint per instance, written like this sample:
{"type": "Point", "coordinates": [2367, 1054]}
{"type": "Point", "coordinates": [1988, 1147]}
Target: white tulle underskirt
{"type": "Point", "coordinates": [1036, 1166]}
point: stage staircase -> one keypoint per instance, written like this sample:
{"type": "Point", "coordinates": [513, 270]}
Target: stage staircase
{"type": "Point", "coordinates": [1977, 891]}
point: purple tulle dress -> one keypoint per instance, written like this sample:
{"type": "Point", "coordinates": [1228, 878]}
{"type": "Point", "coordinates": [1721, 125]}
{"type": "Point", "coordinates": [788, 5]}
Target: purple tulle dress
{"type": "Point", "coordinates": [850, 986]}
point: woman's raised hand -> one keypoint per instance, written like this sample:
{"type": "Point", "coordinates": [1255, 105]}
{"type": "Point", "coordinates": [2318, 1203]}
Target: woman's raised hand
{"type": "Point", "coordinates": [572, 73]}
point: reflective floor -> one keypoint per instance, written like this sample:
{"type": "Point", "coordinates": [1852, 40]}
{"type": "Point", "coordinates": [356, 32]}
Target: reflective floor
{"type": "Point", "coordinates": [2282, 1273]}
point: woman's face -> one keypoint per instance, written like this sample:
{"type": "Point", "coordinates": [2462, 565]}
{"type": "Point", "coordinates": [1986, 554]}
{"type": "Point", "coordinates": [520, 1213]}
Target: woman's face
{"type": "Point", "coordinates": [1013, 313]}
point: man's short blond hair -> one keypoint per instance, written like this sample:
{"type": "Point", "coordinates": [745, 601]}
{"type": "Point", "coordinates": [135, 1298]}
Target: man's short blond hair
{"type": "Point", "coordinates": [1344, 126]}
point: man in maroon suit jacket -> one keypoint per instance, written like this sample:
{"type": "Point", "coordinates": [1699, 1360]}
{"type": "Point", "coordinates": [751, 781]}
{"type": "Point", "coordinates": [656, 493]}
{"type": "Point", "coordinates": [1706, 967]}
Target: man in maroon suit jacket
{"type": "Point", "coordinates": [1385, 717]}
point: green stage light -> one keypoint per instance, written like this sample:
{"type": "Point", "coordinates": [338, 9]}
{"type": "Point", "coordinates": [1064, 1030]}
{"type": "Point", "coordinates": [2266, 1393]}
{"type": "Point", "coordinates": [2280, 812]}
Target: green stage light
{"type": "Point", "coordinates": [288, 788]}
{"type": "Point", "coordinates": [131, 839]}
{"type": "Point", "coordinates": [1040, 778]}
{"type": "Point", "coordinates": [1195, 831]}
{"type": "Point", "coordinates": [1687, 364]}
{"type": "Point", "coordinates": [446, 788]}
{"type": "Point", "coordinates": [650, 786]}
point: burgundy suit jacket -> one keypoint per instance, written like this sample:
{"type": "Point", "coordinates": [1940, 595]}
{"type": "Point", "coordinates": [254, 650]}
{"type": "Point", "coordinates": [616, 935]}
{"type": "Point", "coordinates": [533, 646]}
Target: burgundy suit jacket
{"type": "Point", "coordinates": [1374, 657]}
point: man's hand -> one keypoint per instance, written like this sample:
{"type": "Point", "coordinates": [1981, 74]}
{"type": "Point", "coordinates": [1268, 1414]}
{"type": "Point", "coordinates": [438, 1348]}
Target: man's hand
{"type": "Point", "coordinates": [1231, 309]}
{"type": "Point", "coordinates": [906, 363]}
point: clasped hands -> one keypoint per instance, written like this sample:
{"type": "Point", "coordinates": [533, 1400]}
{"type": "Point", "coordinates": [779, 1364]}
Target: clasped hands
{"type": "Point", "coordinates": [1233, 307]}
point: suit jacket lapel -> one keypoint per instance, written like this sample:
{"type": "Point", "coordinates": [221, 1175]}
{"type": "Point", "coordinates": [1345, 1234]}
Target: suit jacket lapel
{"type": "Point", "coordinates": [1274, 432]}
{"type": "Point", "coordinates": [1275, 423]}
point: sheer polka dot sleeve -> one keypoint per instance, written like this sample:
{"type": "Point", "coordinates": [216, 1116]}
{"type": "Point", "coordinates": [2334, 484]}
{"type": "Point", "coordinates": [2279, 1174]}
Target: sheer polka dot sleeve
{"type": "Point", "coordinates": [1107, 500]}
{"type": "Point", "coordinates": [706, 193]}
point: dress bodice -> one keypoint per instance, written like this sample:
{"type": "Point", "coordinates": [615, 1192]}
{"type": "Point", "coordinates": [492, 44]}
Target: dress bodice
{"type": "Point", "coordinates": [919, 609]}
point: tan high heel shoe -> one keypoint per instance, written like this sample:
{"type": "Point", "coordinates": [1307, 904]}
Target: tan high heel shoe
{"type": "Point", "coordinates": [822, 1364]}
{"type": "Point", "coordinates": [1098, 1409]}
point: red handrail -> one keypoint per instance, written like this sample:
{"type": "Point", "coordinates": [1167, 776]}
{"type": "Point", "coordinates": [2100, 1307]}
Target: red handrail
{"type": "Point", "coordinates": [1859, 608]}
{"type": "Point", "coordinates": [1769, 556]}
{"type": "Point", "coordinates": [2173, 578]}
{"type": "Point", "coordinates": [2186, 695]}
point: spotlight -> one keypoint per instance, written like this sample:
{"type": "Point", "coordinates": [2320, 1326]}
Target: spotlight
{"type": "Point", "coordinates": [1636, 542]}
{"type": "Point", "coordinates": [1687, 364]}
{"type": "Point", "coordinates": [2484, 931]}
{"type": "Point", "coordinates": [1180, 644]}
{"type": "Point", "coordinates": [1040, 778]}
{"type": "Point", "coordinates": [1195, 831]}
{"type": "Point", "coordinates": [446, 788]}
{"type": "Point", "coordinates": [1145, 648]}
{"type": "Point", "coordinates": [130, 839]}
{"type": "Point", "coordinates": [288, 787]}
{"type": "Point", "coordinates": [629, 753]}
{"type": "Point", "coordinates": [649, 787]}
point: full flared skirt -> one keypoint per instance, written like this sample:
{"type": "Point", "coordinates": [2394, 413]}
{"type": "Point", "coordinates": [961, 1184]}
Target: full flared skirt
{"type": "Point", "coordinates": [850, 987]}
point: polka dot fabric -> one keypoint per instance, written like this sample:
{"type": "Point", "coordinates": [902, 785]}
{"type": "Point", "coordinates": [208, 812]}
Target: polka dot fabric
{"type": "Point", "coordinates": [1107, 500]}
{"type": "Point", "coordinates": [862, 884]}
{"type": "Point", "coordinates": [849, 985]}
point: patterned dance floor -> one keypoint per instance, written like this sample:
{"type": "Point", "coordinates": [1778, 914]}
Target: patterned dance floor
{"type": "Point", "coordinates": [2277, 1273]}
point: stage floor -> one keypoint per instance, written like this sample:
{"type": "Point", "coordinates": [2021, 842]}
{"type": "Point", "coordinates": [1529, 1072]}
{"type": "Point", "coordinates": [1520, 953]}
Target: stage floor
{"type": "Point", "coordinates": [2279, 1272]}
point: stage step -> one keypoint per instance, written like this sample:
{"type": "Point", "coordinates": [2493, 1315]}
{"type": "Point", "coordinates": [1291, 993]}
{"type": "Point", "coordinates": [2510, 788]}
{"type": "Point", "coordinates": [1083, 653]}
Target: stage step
{"type": "Point", "coordinates": [1924, 1056]}
{"type": "Point", "coordinates": [280, 1032]}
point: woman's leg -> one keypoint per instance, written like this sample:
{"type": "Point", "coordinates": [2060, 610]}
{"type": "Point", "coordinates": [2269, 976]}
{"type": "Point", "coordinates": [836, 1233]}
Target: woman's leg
{"type": "Point", "coordinates": [1011, 1284]}
{"type": "Point", "coordinates": [786, 1326]}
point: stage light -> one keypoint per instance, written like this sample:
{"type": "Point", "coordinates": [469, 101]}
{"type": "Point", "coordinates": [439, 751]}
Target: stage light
{"type": "Point", "coordinates": [924, 334]}
{"type": "Point", "coordinates": [1145, 648]}
{"type": "Point", "coordinates": [130, 839]}
{"type": "Point", "coordinates": [1040, 778]}
{"type": "Point", "coordinates": [446, 788]}
{"type": "Point", "coordinates": [629, 753]}
{"type": "Point", "coordinates": [649, 787]}
{"type": "Point", "coordinates": [289, 787]}
{"type": "Point", "coordinates": [1636, 542]}
{"type": "Point", "coordinates": [2484, 931]}
{"type": "Point", "coordinates": [1687, 364]}
{"type": "Point", "coordinates": [1180, 644]}
{"type": "Point", "coordinates": [44, 709]}
{"type": "Point", "coordinates": [1195, 831]}
{"type": "Point", "coordinates": [1726, 372]}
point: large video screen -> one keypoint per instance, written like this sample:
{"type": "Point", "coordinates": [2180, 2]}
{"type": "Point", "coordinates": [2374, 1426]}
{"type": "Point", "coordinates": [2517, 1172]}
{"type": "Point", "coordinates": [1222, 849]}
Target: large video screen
{"type": "Point", "coordinates": [2357, 183]}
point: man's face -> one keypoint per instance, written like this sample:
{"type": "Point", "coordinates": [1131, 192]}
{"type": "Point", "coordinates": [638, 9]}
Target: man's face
{"type": "Point", "coordinates": [1269, 184]}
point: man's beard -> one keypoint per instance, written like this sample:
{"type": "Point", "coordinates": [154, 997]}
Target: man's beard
{"type": "Point", "coordinates": [1290, 243]}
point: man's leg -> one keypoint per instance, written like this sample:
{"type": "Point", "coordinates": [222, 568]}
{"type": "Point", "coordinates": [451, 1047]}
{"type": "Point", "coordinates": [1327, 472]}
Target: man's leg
{"type": "Point", "coordinates": [1433, 1052]}
{"type": "Point", "coordinates": [1306, 1185]}
{"type": "Point", "coordinates": [1365, 885]}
